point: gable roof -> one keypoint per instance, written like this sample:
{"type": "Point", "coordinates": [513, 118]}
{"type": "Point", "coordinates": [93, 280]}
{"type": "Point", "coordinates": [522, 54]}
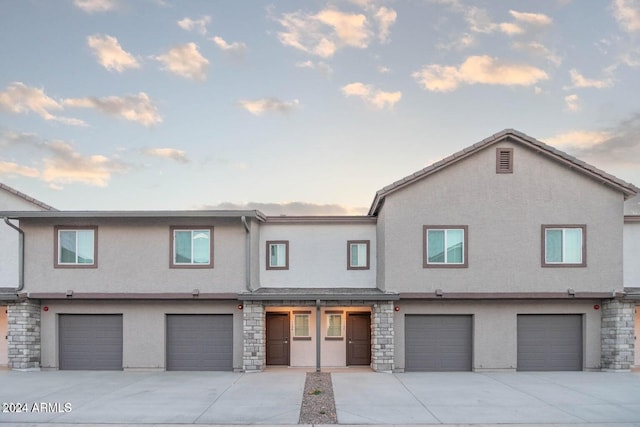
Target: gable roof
{"type": "Point", "coordinates": [27, 198]}
{"type": "Point", "coordinates": [517, 137]}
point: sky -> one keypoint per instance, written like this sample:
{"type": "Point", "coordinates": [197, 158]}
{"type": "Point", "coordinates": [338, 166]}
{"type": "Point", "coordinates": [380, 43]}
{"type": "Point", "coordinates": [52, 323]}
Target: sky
{"type": "Point", "coordinates": [300, 107]}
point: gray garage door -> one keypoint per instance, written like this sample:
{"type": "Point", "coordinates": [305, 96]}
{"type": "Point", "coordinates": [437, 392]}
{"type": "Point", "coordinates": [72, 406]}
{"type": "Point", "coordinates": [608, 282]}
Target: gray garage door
{"type": "Point", "coordinates": [200, 342]}
{"type": "Point", "coordinates": [438, 343]}
{"type": "Point", "coordinates": [90, 341]}
{"type": "Point", "coordinates": [549, 342]}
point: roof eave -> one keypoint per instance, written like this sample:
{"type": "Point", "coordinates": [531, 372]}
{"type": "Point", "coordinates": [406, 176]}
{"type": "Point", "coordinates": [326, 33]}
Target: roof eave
{"type": "Point", "coordinates": [134, 214]}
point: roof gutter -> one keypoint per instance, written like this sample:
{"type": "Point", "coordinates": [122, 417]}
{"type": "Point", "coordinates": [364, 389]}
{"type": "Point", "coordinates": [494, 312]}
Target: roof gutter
{"type": "Point", "coordinates": [247, 258]}
{"type": "Point", "coordinates": [20, 261]}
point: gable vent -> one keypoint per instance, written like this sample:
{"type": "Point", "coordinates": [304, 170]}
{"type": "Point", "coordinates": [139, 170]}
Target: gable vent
{"type": "Point", "coordinates": [504, 160]}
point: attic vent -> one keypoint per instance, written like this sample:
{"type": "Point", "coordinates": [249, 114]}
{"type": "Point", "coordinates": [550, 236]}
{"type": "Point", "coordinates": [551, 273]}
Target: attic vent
{"type": "Point", "coordinates": [504, 160]}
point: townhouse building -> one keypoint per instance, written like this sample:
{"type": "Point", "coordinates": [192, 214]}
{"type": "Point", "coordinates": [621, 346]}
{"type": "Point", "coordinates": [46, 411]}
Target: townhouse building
{"type": "Point", "coordinates": [507, 255]}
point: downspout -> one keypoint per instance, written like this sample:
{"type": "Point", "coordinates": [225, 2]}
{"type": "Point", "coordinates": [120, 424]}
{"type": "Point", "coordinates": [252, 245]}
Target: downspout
{"type": "Point", "coordinates": [318, 335]}
{"type": "Point", "coordinates": [247, 258]}
{"type": "Point", "coordinates": [20, 254]}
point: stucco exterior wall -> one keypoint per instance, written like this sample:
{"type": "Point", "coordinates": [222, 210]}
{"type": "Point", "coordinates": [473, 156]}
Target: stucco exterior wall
{"type": "Point", "coordinates": [631, 254]}
{"type": "Point", "coordinates": [504, 214]}
{"type": "Point", "coordinates": [495, 328]}
{"type": "Point", "coordinates": [318, 255]}
{"type": "Point", "coordinates": [133, 256]}
{"type": "Point", "coordinates": [144, 328]}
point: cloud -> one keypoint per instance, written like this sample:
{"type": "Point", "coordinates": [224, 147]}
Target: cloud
{"type": "Point", "coordinates": [185, 61]}
{"type": "Point", "coordinates": [110, 54]}
{"type": "Point", "coordinates": [376, 98]}
{"type": "Point", "coordinates": [292, 208]}
{"type": "Point", "coordinates": [385, 18]}
{"type": "Point", "coordinates": [478, 70]}
{"type": "Point", "coordinates": [20, 98]}
{"type": "Point", "coordinates": [579, 81]}
{"type": "Point", "coordinates": [627, 13]}
{"type": "Point", "coordinates": [325, 32]}
{"type": "Point", "coordinates": [136, 108]}
{"type": "Point", "coordinates": [235, 48]}
{"type": "Point", "coordinates": [322, 67]}
{"type": "Point", "coordinates": [10, 168]}
{"type": "Point", "coordinates": [198, 25]}
{"type": "Point", "coordinates": [167, 153]}
{"type": "Point", "coordinates": [572, 102]}
{"type": "Point", "coordinates": [537, 19]}
{"type": "Point", "coordinates": [62, 164]}
{"type": "Point", "coordinates": [539, 50]}
{"type": "Point", "coordinates": [94, 6]}
{"type": "Point", "coordinates": [259, 106]}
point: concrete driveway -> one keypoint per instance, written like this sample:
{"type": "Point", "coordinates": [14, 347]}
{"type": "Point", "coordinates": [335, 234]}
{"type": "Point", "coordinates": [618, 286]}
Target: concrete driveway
{"type": "Point", "coordinates": [274, 397]}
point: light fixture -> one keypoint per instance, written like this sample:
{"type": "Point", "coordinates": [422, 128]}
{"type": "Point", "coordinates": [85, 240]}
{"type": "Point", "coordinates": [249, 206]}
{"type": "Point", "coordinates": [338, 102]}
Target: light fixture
{"type": "Point", "coordinates": [195, 292]}
{"type": "Point", "coordinates": [438, 292]}
{"type": "Point", "coordinates": [240, 307]}
{"type": "Point", "coordinates": [571, 292]}
{"type": "Point", "coordinates": [69, 293]}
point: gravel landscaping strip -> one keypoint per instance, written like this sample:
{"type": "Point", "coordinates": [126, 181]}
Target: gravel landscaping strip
{"type": "Point", "coordinates": [318, 406]}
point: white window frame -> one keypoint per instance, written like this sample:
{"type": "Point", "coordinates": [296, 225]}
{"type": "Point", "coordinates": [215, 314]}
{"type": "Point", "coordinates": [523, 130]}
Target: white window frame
{"type": "Point", "coordinates": [76, 229]}
{"type": "Point", "coordinates": [191, 264]}
{"type": "Point", "coordinates": [282, 264]}
{"type": "Point", "coordinates": [445, 228]}
{"type": "Point", "coordinates": [564, 228]}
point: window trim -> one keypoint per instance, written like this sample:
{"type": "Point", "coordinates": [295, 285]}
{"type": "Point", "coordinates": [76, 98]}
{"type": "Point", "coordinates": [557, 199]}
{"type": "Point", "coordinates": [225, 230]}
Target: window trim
{"type": "Point", "coordinates": [499, 152]}
{"type": "Point", "coordinates": [286, 254]}
{"type": "Point", "coordinates": [173, 229]}
{"type": "Point", "coordinates": [56, 245]}
{"type": "Point", "coordinates": [367, 243]}
{"type": "Point", "coordinates": [546, 227]}
{"type": "Point", "coordinates": [465, 249]}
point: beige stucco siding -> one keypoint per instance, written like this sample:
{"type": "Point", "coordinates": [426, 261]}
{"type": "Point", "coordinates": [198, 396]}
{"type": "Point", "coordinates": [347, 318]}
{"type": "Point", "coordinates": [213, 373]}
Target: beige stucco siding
{"type": "Point", "coordinates": [632, 255]}
{"type": "Point", "coordinates": [495, 328]}
{"type": "Point", "coordinates": [133, 256]}
{"type": "Point", "coordinates": [504, 214]}
{"type": "Point", "coordinates": [144, 328]}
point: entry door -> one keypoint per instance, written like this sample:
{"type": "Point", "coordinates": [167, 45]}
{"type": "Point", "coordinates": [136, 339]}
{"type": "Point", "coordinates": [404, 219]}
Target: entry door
{"type": "Point", "coordinates": [358, 339]}
{"type": "Point", "coordinates": [277, 338]}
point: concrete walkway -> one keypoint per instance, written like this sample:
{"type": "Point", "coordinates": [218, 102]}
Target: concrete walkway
{"type": "Point", "coordinates": [273, 397]}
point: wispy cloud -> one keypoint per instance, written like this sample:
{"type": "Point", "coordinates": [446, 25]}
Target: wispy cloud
{"type": "Point", "coordinates": [579, 81]}
{"type": "Point", "coordinates": [539, 50]}
{"type": "Point", "coordinates": [110, 54]}
{"type": "Point", "coordinates": [291, 208]}
{"type": "Point", "coordinates": [185, 61]}
{"type": "Point", "coordinates": [136, 108]}
{"type": "Point", "coordinates": [258, 107]}
{"type": "Point", "coordinates": [20, 98]}
{"type": "Point", "coordinates": [95, 6]}
{"type": "Point", "coordinates": [198, 25]}
{"type": "Point", "coordinates": [167, 153]}
{"type": "Point", "coordinates": [235, 48]}
{"type": "Point", "coordinates": [320, 66]}
{"type": "Point", "coordinates": [536, 19]}
{"type": "Point", "coordinates": [385, 18]}
{"type": "Point", "coordinates": [572, 102]}
{"type": "Point", "coordinates": [478, 70]}
{"type": "Point", "coordinates": [12, 169]}
{"type": "Point", "coordinates": [374, 97]}
{"type": "Point", "coordinates": [627, 13]}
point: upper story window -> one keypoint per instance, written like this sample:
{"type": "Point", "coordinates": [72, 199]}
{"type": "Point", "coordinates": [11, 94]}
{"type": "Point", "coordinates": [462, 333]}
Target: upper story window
{"type": "Point", "coordinates": [76, 246]}
{"type": "Point", "coordinates": [277, 255]}
{"type": "Point", "coordinates": [564, 246]}
{"type": "Point", "coordinates": [445, 246]}
{"type": "Point", "coordinates": [191, 247]}
{"type": "Point", "coordinates": [358, 254]}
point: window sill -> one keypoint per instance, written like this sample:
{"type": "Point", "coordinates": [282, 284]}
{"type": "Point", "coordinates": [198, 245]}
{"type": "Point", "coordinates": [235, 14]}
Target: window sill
{"type": "Point", "coordinates": [334, 338]}
{"type": "Point", "coordinates": [302, 338]}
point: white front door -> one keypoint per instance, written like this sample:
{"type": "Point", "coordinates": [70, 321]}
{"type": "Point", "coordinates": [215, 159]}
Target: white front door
{"type": "Point", "coordinates": [4, 352]}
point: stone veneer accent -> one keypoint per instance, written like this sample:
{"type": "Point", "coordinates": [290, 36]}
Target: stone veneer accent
{"type": "Point", "coordinates": [23, 320]}
{"type": "Point", "coordinates": [254, 342]}
{"type": "Point", "coordinates": [617, 352]}
{"type": "Point", "coordinates": [382, 345]}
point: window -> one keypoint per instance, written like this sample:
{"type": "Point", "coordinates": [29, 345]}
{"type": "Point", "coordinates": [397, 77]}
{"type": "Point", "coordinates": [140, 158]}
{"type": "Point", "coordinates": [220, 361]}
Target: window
{"type": "Point", "coordinates": [301, 325]}
{"type": "Point", "coordinates": [358, 255]}
{"type": "Point", "coordinates": [504, 160]}
{"type": "Point", "coordinates": [564, 245]}
{"type": "Point", "coordinates": [191, 247]}
{"type": "Point", "coordinates": [278, 255]}
{"type": "Point", "coordinates": [334, 325]}
{"type": "Point", "coordinates": [445, 246]}
{"type": "Point", "coordinates": [76, 246]}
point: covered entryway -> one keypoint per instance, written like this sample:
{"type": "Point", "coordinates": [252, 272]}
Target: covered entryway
{"type": "Point", "coordinates": [4, 343]}
{"type": "Point", "coordinates": [358, 339]}
{"type": "Point", "coordinates": [199, 342]}
{"type": "Point", "coordinates": [438, 342]}
{"type": "Point", "coordinates": [549, 342]}
{"type": "Point", "coordinates": [90, 341]}
{"type": "Point", "coordinates": [278, 339]}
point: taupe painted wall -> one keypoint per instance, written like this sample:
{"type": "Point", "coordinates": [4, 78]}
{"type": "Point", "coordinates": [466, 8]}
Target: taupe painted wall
{"type": "Point", "coordinates": [144, 328]}
{"type": "Point", "coordinates": [495, 328]}
{"type": "Point", "coordinates": [133, 256]}
{"type": "Point", "coordinates": [504, 213]}
{"type": "Point", "coordinates": [632, 255]}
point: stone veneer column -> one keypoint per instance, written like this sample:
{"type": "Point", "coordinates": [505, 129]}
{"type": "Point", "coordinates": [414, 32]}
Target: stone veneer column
{"type": "Point", "coordinates": [382, 347]}
{"type": "Point", "coordinates": [253, 325]}
{"type": "Point", "coordinates": [23, 318]}
{"type": "Point", "coordinates": [617, 332]}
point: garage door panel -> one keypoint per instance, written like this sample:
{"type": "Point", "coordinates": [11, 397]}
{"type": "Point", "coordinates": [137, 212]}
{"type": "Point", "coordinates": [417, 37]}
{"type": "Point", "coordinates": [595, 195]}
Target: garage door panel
{"type": "Point", "coordinates": [438, 343]}
{"type": "Point", "coordinates": [550, 342]}
{"type": "Point", "coordinates": [90, 342]}
{"type": "Point", "coordinates": [200, 342]}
